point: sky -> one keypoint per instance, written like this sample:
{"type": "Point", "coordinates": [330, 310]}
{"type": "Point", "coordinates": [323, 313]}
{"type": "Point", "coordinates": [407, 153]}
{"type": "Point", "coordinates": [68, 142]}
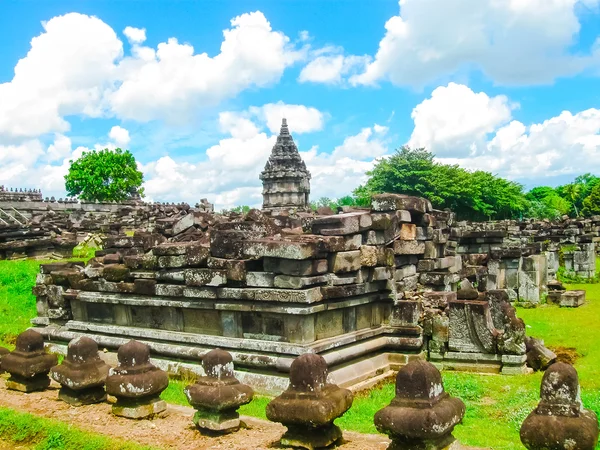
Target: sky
{"type": "Point", "coordinates": [196, 90]}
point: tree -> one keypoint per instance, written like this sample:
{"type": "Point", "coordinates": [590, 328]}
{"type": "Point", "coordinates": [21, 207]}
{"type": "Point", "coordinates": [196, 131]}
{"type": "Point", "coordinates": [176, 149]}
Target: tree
{"type": "Point", "coordinates": [545, 203]}
{"type": "Point", "coordinates": [591, 204]}
{"type": "Point", "coordinates": [104, 175]}
{"type": "Point", "coordinates": [474, 195]}
{"type": "Point", "coordinates": [572, 192]}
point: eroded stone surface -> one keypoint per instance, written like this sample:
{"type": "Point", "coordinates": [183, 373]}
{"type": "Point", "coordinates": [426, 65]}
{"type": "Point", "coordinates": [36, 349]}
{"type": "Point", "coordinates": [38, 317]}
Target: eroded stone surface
{"type": "Point", "coordinates": [310, 405]}
{"type": "Point", "coordinates": [217, 395]}
{"type": "Point", "coordinates": [136, 383]}
{"type": "Point", "coordinates": [559, 421]}
{"type": "Point", "coordinates": [28, 364]}
{"type": "Point", "coordinates": [422, 415]}
{"type": "Point", "coordinates": [82, 374]}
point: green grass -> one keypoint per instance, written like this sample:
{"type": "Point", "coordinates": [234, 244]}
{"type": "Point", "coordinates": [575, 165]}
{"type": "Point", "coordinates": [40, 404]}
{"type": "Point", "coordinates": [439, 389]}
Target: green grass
{"type": "Point", "coordinates": [496, 404]}
{"type": "Point", "coordinates": [17, 303]}
{"type": "Point", "coordinates": [46, 434]}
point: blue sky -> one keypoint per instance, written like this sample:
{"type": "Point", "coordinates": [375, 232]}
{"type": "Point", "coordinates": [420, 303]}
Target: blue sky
{"type": "Point", "coordinates": [507, 86]}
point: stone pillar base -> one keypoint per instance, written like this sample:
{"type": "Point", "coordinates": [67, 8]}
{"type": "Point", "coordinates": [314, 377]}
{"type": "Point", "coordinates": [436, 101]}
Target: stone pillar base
{"type": "Point", "coordinates": [37, 383]}
{"type": "Point", "coordinates": [142, 408]}
{"type": "Point", "coordinates": [442, 443]}
{"type": "Point", "coordinates": [82, 397]}
{"type": "Point", "coordinates": [311, 438]}
{"type": "Point", "coordinates": [514, 365]}
{"type": "Point", "coordinates": [226, 421]}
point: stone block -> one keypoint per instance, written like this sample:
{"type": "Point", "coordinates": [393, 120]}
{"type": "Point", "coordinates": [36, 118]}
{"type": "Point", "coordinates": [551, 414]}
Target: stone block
{"type": "Point", "coordinates": [404, 272]}
{"type": "Point", "coordinates": [572, 299]}
{"type": "Point", "coordinates": [409, 247]}
{"type": "Point", "coordinates": [345, 261]}
{"type": "Point", "coordinates": [393, 202]}
{"type": "Point", "coordinates": [439, 299]}
{"type": "Point", "coordinates": [408, 232]}
{"type": "Point", "coordinates": [382, 273]}
{"type": "Point", "coordinates": [139, 409]}
{"type": "Point", "coordinates": [260, 279]}
{"type": "Point", "coordinates": [205, 277]}
{"type": "Point", "coordinates": [174, 261]}
{"type": "Point", "coordinates": [369, 255]}
{"type": "Point", "coordinates": [291, 282]}
{"type": "Point", "coordinates": [352, 242]}
{"type": "Point", "coordinates": [115, 272]}
{"type": "Point", "coordinates": [295, 267]}
{"type": "Point", "coordinates": [203, 292]}
{"type": "Point", "coordinates": [183, 224]}
{"type": "Point", "coordinates": [340, 224]}
{"type": "Point", "coordinates": [169, 290]}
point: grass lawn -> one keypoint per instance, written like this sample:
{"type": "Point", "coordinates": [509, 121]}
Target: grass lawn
{"type": "Point", "coordinates": [30, 431]}
{"type": "Point", "coordinates": [496, 404]}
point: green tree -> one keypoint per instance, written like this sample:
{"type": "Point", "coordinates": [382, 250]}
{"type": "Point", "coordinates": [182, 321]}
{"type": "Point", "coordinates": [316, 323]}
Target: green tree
{"type": "Point", "coordinates": [242, 209]}
{"type": "Point", "coordinates": [474, 195]}
{"type": "Point", "coordinates": [546, 203]}
{"type": "Point", "coordinates": [572, 192]}
{"type": "Point", "coordinates": [104, 175]}
{"type": "Point", "coordinates": [591, 204]}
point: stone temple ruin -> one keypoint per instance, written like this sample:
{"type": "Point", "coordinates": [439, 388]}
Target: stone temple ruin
{"type": "Point", "coordinates": [369, 290]}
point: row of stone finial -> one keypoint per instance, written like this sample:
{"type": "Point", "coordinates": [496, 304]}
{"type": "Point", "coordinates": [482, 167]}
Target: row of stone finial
{"type": "Point", "coordinates": [422, 414]}
{"type": "Point", "coordinates": [20, 190]}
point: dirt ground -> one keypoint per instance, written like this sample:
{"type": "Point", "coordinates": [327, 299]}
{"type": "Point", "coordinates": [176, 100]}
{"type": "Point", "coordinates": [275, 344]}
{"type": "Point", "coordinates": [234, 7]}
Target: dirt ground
{"type": "Point", "coordinates": [174, 430]}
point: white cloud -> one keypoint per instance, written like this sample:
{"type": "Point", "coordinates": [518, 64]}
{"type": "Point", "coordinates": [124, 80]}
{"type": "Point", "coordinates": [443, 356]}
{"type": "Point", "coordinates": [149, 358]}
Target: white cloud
{"type": "Point", "coordinates": [476, 132]}
{"type": "Point", "coordinates": [65, 72]}
{"type": "Point", "coordinates": [511, 41]}
{"type": "Point", "coordinates": [76, 67]}
{"type": "Point", "coordinates": [332, 68]}
{"type": "Point", "coordinates": [171, 82]}
{"type": "Point", "coordinates": [455, 119]}
{"type": "Point", "coordinates": [338, 173]}
{"type": "Point", "coordinates": [119, 135]}
{"type": "Point", "coordinates": [135, 35]}
{"type": "Point", "coordinates": [300, 118]}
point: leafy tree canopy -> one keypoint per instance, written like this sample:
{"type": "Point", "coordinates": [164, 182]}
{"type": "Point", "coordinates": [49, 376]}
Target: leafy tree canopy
{"type": "Point", "coordinates": [476, 195]}
{"type": "Point", "coordinates": [591, 204]}
{"type": "Point", "coordinates": [104, 175]}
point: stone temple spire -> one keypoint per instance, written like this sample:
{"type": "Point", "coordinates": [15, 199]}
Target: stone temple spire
{"type": "Point", "coordinates": [286, 181]}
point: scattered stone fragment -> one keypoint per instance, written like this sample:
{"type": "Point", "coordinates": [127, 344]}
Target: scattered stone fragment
{"type": "Point", "coordinates": [559, 421]}
{"type": "Point", "coordinates": [539, 357]}
{"type": "Point", "coordinates": [422, 415]}
{"type": "Point", "coordinates": [217, 395]}
{"type": "Point", "coordinates": [310, 405]}
{"type": "Point", "coordinates": [136, 383]}
{"type": "Point", "coordinates": [29, 364]}
{"type": "Point", "coordinates": [82, 374]}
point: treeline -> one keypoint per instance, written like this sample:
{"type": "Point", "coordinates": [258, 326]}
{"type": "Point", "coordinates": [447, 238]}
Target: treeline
{"type": "Point", "coordinates": [472, 195]}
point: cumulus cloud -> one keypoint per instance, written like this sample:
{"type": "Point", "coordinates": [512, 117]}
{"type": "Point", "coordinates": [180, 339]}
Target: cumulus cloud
{"type": "Point", "coordinates": [301, 119]}
{"type": "Point", "coordinates": [512, 41]}
{"type": "Point", "coordinates": [135, 35]}
{"type": "Point", "coordinates": [66, 71]}
{"type": "Point", "coordinates": [329, 65]}
{"type": "Point", "coordinates": [119, 135]}
{"type": "Point", "coordinates": [455, 119]}
{"type": "Point", "coordinates": [76, 66]}
{"type": "Point", "coordinates": [172, 81]}
{"type": "Point", "coordinates": [478, 133]}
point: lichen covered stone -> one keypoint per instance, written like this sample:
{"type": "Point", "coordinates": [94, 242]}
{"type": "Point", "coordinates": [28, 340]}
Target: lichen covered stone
{"type": "Point", "coordinates": [422, 415]}
{"type": "Point", "coordinates": [217, 395]}
{"type": "Point", "coordinates": [310, 405]}
{"type": "Point", "coordinates": [82, 374]}
{"type": "Point", "coordinates": [559, 421]}
{"type": "Point", "coordinates": [136, 382]}
{"type": "Point", "coordinates": [28, 364]}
